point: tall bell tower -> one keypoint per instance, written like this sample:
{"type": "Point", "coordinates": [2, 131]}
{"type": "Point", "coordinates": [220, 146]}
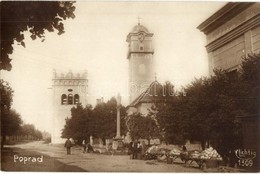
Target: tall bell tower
{"type": "Point", "coordinates": [141, 62]}
{"type": "Point", "coordinates": [68, 91]}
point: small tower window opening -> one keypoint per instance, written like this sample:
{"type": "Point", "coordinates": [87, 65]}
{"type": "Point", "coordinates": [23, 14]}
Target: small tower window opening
{"type": "Point", "coordinates": [76, 99]}
{"type": "Point", "coordinates": [70, 99]}
{"type": "Point", "coordinates": [63, 99]}
{"type": "Point", "coordinates": [141, 48]}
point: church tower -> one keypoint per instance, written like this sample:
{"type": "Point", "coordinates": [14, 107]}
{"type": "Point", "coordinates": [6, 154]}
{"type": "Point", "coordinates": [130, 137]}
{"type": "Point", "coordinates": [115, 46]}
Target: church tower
{"type": "Point", "coordinates": [141, 62]}
{"type": "Point", "coordinates": [68, 91]}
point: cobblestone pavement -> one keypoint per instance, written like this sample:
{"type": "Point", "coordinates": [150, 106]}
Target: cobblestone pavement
{"type": "Point", "coordinates": [103, 163]}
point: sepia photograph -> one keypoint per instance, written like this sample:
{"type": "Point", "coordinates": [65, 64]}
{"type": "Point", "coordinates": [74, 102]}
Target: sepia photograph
{"type": "Point", "coordinates": [130, 86]}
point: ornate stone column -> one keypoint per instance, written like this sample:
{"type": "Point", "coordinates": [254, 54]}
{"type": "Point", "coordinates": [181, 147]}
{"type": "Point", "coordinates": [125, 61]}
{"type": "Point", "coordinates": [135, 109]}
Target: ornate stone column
{"type": "Point", "coordinates": [118, 140]}
{"type": "Point", "coordinates": [118, 134]}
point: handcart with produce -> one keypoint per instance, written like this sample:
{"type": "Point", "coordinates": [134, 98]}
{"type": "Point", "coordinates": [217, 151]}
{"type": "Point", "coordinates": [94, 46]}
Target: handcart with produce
{"type": "Point", "coordinates": [208, 158]}
{"type": "Point", "coordinates": [173, 155]}
{"type": "Point", "coordinates": [154, 152]}
{"type": "Point", "coordinates": [151, 153]}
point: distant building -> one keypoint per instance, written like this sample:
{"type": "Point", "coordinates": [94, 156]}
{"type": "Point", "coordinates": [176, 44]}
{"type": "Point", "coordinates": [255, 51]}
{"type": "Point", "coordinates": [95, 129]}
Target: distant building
{"type": "Point", "coordinates": [232, 32]}
{"type": "Point", "coordinates": [144, 89]}
{"type": "Point", "coordinates": [68, 91]}
{"type": "Point", "coordinates": [100, 101]}
{"type": "Point", "coordinates": [155, 93]}
{"type": "Point", "coordinates": [141, 61]}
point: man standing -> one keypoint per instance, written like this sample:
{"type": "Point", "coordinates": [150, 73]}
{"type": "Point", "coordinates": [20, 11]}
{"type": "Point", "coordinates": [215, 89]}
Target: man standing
{"type": "Point", "coordinates": [135, 149]}
{"type": "Point", "coordinates": [84, 143]}
{"type": "Point", "coordinates": [68, 145]}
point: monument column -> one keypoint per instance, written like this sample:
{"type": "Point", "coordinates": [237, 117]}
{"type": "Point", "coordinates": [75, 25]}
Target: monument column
{"type": "Point", "coordinates": [118, 134]}
{"type": "Point", "coordinates": [118, 140]}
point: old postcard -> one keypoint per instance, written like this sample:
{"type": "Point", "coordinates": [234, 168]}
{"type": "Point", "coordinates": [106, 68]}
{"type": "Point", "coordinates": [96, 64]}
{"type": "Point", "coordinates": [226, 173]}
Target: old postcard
{"type": "Point", "coordinates": [142, 86]}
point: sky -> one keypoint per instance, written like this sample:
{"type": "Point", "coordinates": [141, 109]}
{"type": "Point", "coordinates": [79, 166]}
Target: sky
{"type": "Point", "coordinates": [96, 41]}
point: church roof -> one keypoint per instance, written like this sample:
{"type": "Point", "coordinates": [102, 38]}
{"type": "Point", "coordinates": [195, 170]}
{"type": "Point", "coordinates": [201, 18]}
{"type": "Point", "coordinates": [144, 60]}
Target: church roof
{"type": "Point", "coordinates": [155, 93]}
{"type": "Point", "coordinates": [139, 28]}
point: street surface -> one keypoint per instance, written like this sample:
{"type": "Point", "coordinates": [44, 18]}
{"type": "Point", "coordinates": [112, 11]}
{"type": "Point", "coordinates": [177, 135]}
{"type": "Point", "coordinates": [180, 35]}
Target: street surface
{"type": "Point", "coordinates": [92, 162]}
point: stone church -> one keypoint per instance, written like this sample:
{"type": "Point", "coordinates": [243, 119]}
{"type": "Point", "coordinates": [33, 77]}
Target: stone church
{"type": "Point", "coordinates": [68, 91]}
{"type": "Point", "coordinates": [144, 89]}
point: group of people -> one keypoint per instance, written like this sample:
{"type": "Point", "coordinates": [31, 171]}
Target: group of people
{"type": "Point", "coordinates": [86, 146]}
{"type": "Point", "coordinates": [136, 150]}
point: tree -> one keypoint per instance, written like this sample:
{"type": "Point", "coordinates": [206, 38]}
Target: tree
{"type": "Point", "coordinates": [209, 111]}
{"type": "Point", "coordinates": [250, 86]}
{"type": "Point", "coordinates": [99, 122]}
{"type": "Point", "coordinates": [212, 110]}
{"type": "Point", "coordinates": [20, 16]}
{"type": "Point", "coordinates": [6, 94]}
{"type": "Point", "coordinates": [10, 119]}
{"type": "Point", "coordinates": [80, 126]}
{"type": "Point", "coordinates": [29, 130]}
{"type": "Point", "coordinates": [106, 115]}
{"type": "Point", "coordinates": [172, 120]}
{"type": "Point", "coordinates": [10, 123]}
{"type": "Point", "coordinates": [144, 127]}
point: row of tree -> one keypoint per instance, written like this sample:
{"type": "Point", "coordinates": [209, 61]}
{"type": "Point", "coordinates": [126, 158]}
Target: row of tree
{"type": "Point", "coordinates": [11, 122]}
{"type": "Point", "coordinates": [99, 122]}
{"type": "Point", "coordinates": [208, 109]}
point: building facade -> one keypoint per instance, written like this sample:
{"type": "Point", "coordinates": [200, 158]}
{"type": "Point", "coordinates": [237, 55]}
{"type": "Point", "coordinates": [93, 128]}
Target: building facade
{"type": "Point", "coordinates": [141, 61]}
{"type": "Point", "coordinates": [68, 91]}
{"type": "Point", "coordinates": [232, 32]}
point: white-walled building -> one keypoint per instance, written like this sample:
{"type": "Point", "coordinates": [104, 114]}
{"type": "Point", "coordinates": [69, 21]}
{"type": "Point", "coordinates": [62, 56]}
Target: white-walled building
{"type": "Point", "coordinates": [68, 91]}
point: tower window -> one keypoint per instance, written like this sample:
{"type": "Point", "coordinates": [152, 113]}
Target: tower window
{"type": "Point", "coordinates": [141, 48]}
{"type": "Point", "coordinates": [76, 99]}
{"type": "Point", "coordinates": [63, 99]}
{"type": "Point", "coordinates": [70, 99]}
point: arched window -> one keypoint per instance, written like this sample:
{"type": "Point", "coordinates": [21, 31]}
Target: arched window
{"type": "Point", "coordinates": [70, 99]}
{"type": "Point", "coordinates": [63, 99]}
{"type": "Point", "coordinates": [76, 99]}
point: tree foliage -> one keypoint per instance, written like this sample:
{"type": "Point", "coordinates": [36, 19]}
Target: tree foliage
{"type": "Point", "coordinates": [144, 127]}
{"type": "Point", "coordinates": [80, 126]}
{"type": "Point", "coordinates": [171, 120]}
{"type": "Point", "coordinates": [10, 119]}
{"type": "Point", "coordinates": [11, 122]}
{"type": "Point", "coordinates": [106, 115]}
{"type": "Point", "coordinates": [99, 122]}
{"type": "Point", "coordinates": [37, 17]}
{"type": "Point", "coordinates": [6, 94]}
{"type": "Point", "coordinates": [210, 109]}
{"type": "Point", "coordinates": [29, 129]}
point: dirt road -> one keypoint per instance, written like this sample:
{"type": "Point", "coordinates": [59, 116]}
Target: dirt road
{"type": "Point", "coordinates": [94, 162]}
